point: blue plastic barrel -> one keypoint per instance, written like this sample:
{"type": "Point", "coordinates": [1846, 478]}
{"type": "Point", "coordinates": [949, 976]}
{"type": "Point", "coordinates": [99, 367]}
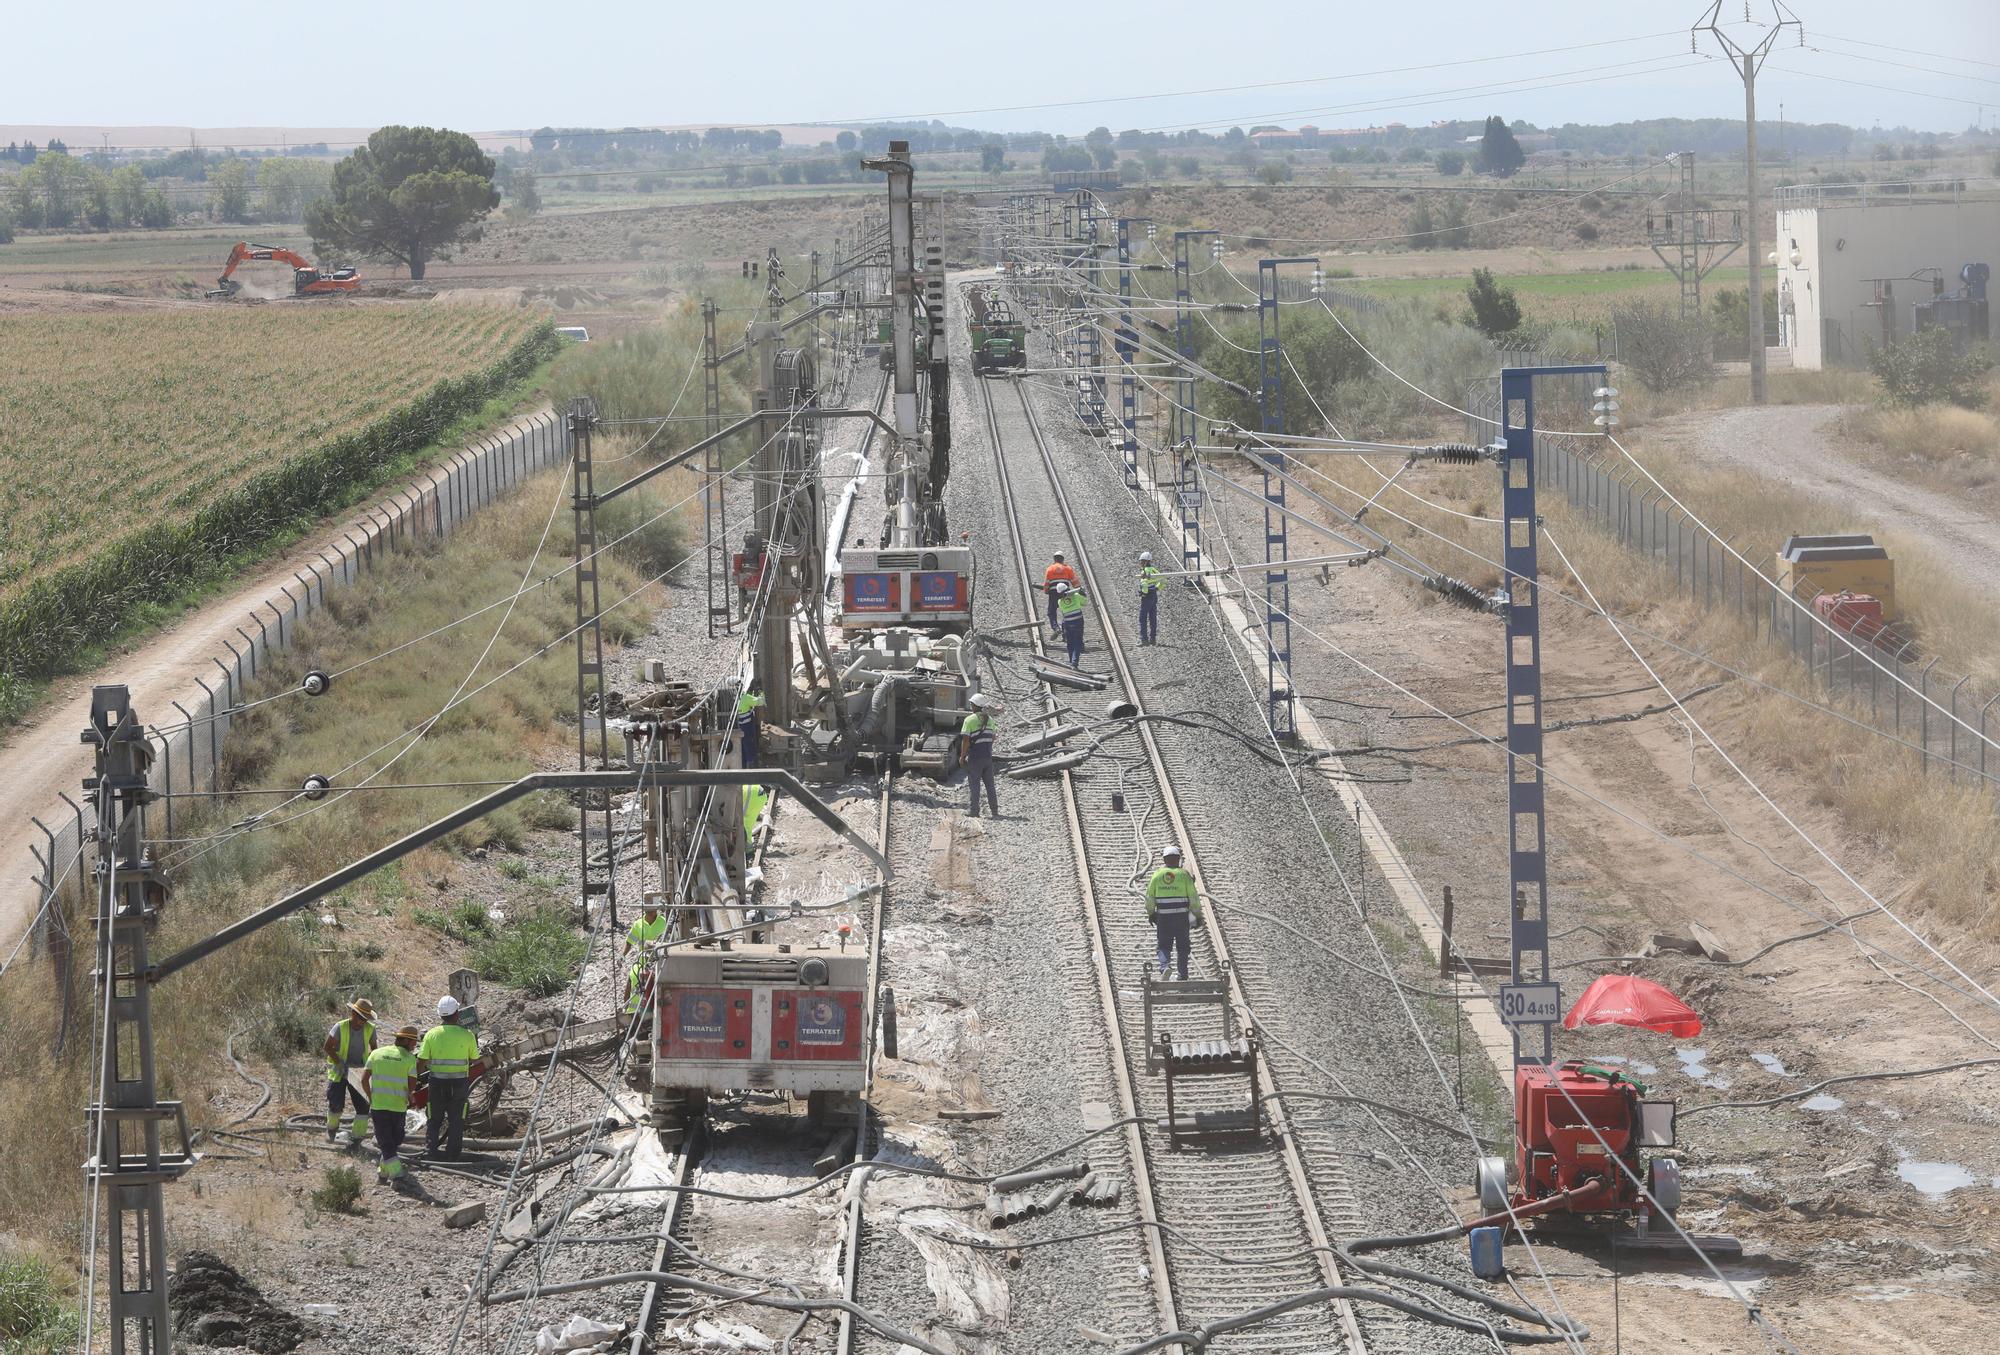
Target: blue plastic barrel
{"type": "Point", "coordinates": [1487, 1261]}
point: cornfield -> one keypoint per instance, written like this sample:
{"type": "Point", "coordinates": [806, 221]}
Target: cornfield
{"type": "Point", "coordinates": [141, 452]}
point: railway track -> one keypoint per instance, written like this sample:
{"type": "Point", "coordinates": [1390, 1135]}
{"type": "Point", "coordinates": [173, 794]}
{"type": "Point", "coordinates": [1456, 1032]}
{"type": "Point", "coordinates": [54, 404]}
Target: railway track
{"type": "Point", "coordinates": [853, 1224]}
{"type": "Point", "coordinates": [1249, 1226]}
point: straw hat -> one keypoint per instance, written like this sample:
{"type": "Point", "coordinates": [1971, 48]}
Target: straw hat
{"type": "Point", "coordinates": [362, 1008]}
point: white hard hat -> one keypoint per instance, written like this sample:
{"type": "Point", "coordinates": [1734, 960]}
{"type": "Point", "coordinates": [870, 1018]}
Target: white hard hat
{"type": "Point", "coordinates": [1061, 588]}
{"type": "Point", "coordinates": [976, 700]}
{"type": "Point", "coordinates": [1146, 556]}
{"type": "Point", "coordinates": [1171, 854]}
{"type": "Point", "coordinates": [447, 1006]}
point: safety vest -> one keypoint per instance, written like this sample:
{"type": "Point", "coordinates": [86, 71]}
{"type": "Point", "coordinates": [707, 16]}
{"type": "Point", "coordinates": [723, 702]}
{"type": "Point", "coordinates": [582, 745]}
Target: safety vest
{"type": "Point", "coordinates": [390, 1069]}
{"type": "Point", "coordinates": [450, 1051]}
{"type": "Point", "coordinates": [1070, 604]}
{"type": "Point", "coordinates": [748, 702]}
{"type": "Point", "coordinates": [1170, 893]}
{"type": "Point", "coordinates": [1058, 573]}
{"type": "Point", "coordinates": [1149, 580]}
{"type": "Point", "coordinates": [754, 800]}
{"type": "Point", "coordinates": [978, 727]}
{"type": "Point", "coordinates": [635, 980]}
{"type": "Point", "coordinates": [643, 931]}
{"type": "Point", "coordinates": [336, 1067]}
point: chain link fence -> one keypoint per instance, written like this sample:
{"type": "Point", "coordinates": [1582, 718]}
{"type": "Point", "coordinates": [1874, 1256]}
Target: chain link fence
{"type": "Point", "coordinates": [187, 738]}
{"type": "Point", "coordinates": [1889, 684]}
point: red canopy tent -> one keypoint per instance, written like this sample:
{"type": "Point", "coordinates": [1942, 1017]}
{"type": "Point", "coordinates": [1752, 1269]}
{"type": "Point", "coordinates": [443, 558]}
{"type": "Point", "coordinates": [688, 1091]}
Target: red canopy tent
{"type": "Point", "coordinates": [1627, 1000]}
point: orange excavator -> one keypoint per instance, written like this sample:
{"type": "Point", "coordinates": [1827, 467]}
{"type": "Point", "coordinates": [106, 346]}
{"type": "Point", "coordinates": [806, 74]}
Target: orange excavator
{"type": "Point", "coordinates": [306, 280]}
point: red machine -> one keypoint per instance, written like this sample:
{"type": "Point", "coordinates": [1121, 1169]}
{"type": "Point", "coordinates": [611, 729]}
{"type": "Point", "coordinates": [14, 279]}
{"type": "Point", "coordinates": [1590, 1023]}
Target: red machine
{"type": "Point", "coordinates": [1859, 614]}
{"type": "Point", "coordinates": [1580, 1152]}
{"type": "Point", "coordinates": [759, 1017]}
{"type": "Point", "coordinates": [306, 279]}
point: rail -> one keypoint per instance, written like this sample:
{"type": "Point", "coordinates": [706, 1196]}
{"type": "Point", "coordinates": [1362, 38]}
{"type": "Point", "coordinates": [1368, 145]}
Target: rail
{"type": "Point", "coordinates": [1202, 1197]}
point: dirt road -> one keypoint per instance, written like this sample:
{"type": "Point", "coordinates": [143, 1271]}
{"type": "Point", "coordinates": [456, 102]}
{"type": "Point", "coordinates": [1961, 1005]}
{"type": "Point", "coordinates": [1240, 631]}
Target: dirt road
{"type": "Point", "coordinates": [42, 758]}
{"type": "Point", "coordinates": [1798, 445]}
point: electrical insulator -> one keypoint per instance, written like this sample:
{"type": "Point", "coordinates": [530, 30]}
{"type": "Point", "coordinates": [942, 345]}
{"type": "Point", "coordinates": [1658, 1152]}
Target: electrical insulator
{"type": "Point", "coordinates": [317, 683]}
{"type": "Point", "coordinates": [1215, 249]}
{"type": "Point", "coordinates": [315, 787]}
{"type": "Point", "coordinates": [1319, 280]}
{"type": "Point", "coordinates": [1152, 231]}
{"type": "Point", "coordinates": [1457, 454]}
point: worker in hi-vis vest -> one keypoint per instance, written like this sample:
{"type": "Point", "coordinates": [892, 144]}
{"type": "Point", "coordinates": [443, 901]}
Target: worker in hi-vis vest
{"type": "Point", "coordinates": [749, 724]}
{"type": "Point", "coordinates": [1172, 903]}
{"type": "Point", "coordinates": [387, 1081]}
{"type": "Point", "coordinates": [1058, 571]}
{"type": "Point", "coordinates": [975, 750]}
{"type": "Point", "coordinates": [347, 1048]}
{"type": "Point", "coordinates": [1149, 600]}
{"type": "Point", "coordinates": [447, 1053]}
{"type": "Point", "coordinates": [1069, 608]}
{"type": "Point", "coordinates": [650, 926]}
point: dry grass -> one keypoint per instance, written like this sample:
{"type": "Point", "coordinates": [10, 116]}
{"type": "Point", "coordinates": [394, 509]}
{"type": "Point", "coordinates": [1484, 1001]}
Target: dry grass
{"type": "Point", "coordinates": [1941, 445]}
{"type": "Point", "coordinates": [1941, 840]}
{"type": "Point", "coordinates": [282, 985]}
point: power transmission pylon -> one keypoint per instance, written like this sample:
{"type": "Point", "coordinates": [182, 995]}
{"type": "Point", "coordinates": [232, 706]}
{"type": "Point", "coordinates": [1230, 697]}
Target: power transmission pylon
{"type": "Point", "coordinates": [1699, 238]}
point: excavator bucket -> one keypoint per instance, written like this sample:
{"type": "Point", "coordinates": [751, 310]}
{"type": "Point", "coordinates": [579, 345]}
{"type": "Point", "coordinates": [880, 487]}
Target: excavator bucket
{"type": "Point", "coordinates": [225, 288]}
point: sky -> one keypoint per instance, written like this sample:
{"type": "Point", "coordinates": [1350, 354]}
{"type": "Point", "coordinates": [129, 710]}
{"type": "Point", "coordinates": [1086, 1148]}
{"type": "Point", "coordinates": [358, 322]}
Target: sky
{"type": "Point", "coordinates": [504, 64]}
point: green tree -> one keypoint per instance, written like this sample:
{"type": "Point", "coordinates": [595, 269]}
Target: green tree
{"type": "Point", "coordinates": [1105, 156]}
{"type": "Point", "coordinates": [1273, 172]}
{"type": "Point", "coordinates": [1926, 368]}
{"type": "Point", "coordinates": [846, 141]}
{"type": "Point", "coordinates": [410, 194]}
{"type": "Point", "coordinates": [992, 158]}
{"type": "Point", "coordinates": [1494, 308]}
{"type": "Point", "coordinates": [6, 226]}
{"type": "Point", "coordinates": [1499, 153]}
{"type": "Point", "coordinates": [157, 213]}
{"type": "Point", "coordinates": [289, 186]}
{"type": "Point", "coordinates": [128, 195]}
{"type": "Point", "coordinates": [523, 200]}
{"type": "Point", "coordinates": [1450, 163]}
{"type": "Point", "coordinates": [231, 184]}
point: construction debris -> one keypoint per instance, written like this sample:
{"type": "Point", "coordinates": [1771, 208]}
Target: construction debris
{"type": "Point", "coordinates": [465, 1215]}
{"type": "Point", "coordinates": [579, 1333]}
{"type": "Point", "coordinates": [213, 1305]}
{"type": "Point", "coordinates": [1094, 1190]}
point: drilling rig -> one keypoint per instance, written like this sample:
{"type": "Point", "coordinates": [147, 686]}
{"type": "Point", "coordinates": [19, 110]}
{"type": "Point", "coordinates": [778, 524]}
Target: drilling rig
{"type": "Point", "coordinates": [898, 679]}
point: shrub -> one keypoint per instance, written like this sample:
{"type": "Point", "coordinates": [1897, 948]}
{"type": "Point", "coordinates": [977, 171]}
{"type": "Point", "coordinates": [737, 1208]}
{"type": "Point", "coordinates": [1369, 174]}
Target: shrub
{"type": "Point", "coordinates": [1450, 163]}
{"type": "Point", "coordinates": [34, 1318]}
{"type": "Point", "coordinates": [644, 537]}
{"type": "Point", "coordinates": [1494, 308]}
{"type": "Point", "coordinates": [1664, 351]}
{"type": "Point", "coordinates": [1587, 230]}
{"type": "Point", "coordinates": [466, 921]}
{"type": "Point", "coordinates": [1927, 368]}
{"type": "Point", "coordinates": [338, 1192]}
{"type": "Point", "coordinates": [538, 953]}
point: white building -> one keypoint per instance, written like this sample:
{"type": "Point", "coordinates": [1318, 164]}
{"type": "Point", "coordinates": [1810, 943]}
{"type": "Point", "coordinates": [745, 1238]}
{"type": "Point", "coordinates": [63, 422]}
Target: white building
{"type": "Point", "coordinates": [1843, 261]}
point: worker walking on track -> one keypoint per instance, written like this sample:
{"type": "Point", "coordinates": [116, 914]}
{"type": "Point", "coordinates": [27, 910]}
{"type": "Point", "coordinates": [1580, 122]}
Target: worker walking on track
{"type": "Point", "coordinates": [347, 1048]}
{"type": "Point", "coordinates": [975, 750]}
{"type": "Point", "coordinates": [447, 1053]}
{"type": "Point", "coordinates": [1172, 904]}
{"type": "Point", "coordinates": [1069, 608]}
{"type": "Point", "coordinates": [749, 724]}
{"type": "Point", "coordinates": [650, 926]}
{"type": "Point", "coordinates": [386, 1082]}
{"type": "Point", "coordinates": [1057, 572]}
{"type": "Point", "coordinates": [1149, 600]}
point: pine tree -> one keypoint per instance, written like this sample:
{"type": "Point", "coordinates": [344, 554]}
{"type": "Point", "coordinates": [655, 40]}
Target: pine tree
{"type": "Point", "coordinates": [1499, 153]}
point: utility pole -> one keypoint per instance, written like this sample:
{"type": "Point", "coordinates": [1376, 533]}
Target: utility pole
{"type": "Point", "coordinates": [594, 879]}
{"type": "Point", "coordinates": [128, 1120]}
{"type": "Point", "coordinates": [1750, 60]}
